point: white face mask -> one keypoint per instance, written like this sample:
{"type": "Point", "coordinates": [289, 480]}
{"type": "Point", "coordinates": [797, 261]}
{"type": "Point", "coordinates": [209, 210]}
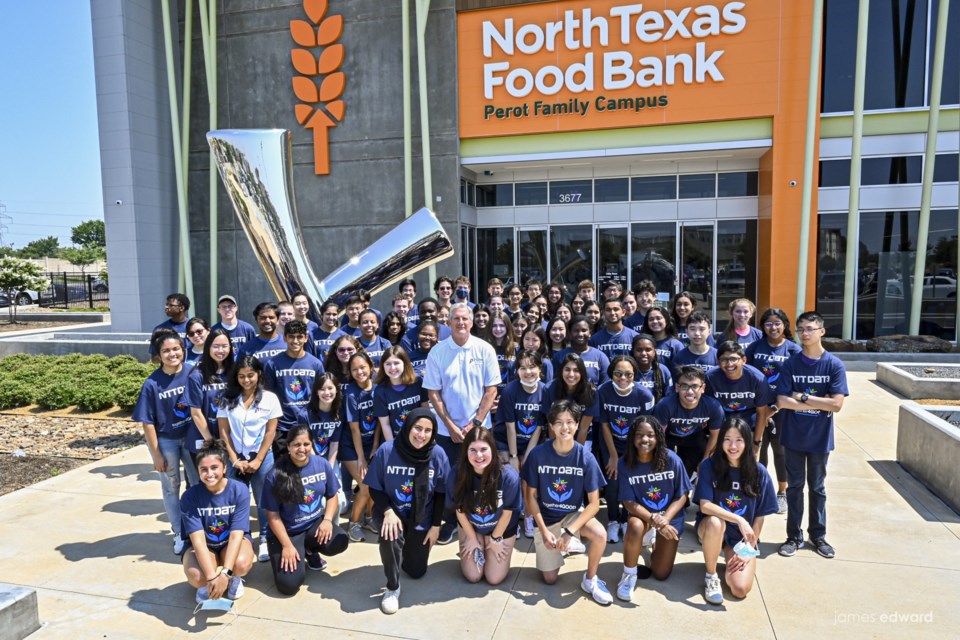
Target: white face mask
{"type": "Point", "coordinates": [626, 386]}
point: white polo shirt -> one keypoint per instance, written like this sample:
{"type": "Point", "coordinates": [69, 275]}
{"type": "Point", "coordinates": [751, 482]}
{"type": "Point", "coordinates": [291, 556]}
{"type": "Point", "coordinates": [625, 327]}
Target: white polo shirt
{"type": "Point", "coordinates": [461, 375]}
{"type": "Point", "coordinates": [249, 425]}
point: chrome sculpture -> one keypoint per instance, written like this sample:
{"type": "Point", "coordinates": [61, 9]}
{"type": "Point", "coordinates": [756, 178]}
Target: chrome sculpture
{"type": "Point", "coordinates": [257, 170]}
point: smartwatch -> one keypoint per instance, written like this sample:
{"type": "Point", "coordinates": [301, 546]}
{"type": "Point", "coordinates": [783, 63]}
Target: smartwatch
{"type": "Point", "coordinates": [757, 443]}
{"type": "Point", "coordinates": [568, 532]}
{"type": "Point", "coordinates": [804, 397]}
{"type": "Point", "coordinates": [476, 423]}
{"type": "Point", "coordinates": [227, 572]}
{"type": "Point", "coordinates": [497, 539]}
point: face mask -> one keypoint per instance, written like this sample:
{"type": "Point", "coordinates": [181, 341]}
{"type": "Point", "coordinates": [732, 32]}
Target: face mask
{"type": "Point", "coordinates": [221, 604]}
{"type": "Point", "coordinates": [745, 551]}
{"type": "Point", "coordinates": [462, 292]}
{"type": "Point", "coordinates": [623, 387]}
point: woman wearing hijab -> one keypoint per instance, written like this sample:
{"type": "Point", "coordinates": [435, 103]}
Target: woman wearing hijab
{"type": "Point", "coordinates": [407, 478]}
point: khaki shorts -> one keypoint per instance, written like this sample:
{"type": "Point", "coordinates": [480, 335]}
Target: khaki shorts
{"type": "Point", "coordinates": [551, 559]}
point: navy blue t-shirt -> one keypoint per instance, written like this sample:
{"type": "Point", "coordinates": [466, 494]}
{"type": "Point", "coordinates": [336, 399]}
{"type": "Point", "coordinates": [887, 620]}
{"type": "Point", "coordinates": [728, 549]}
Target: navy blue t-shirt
{"type": "Point", "coordinates": [635, 321]}
{"type": "Point", "coordinates": [619, 411]}
{"type": "Point", "coordinates": [216, 514]}
{"type": "Point", "coordinates": [741, 396]}
{"type": "Point", "coordinates": [292, 380]}
{"type": "Point", "coordinates": [527, 410]}
{"type": "Point", "coordinates": [392, 475]}
{"type": "Point", "coordinates": [418, 359]}
{"type": "Point", "coordinates": [322, 341]}
{"type": "Point", "coordinates": [562, 482]}
{"type": "Point", "coordinates": [666, 349]}
{"type": "Point", "coordinates": [681, 423]}
{"type": "Point", "coordinates": [411, 338]}
{"type": "Point", "coordinates": [319, 481]}
{"type": "Point", "coordinates": [239, 335]}
{"type": "Point", "coordinates": [395, 403]}
{"type": "Point", "coordinates": [359, 409]}
{"type": "Point", "coordinates": [375, 348]}
{"type": "Point", "coordinates": [204, 396]}
{"type": "Point", "coordinates": [262, 349]}
{"type": "Point", "coordinates": [810, 430]}
{"type": "Point", "coordinates": [509, 498]}
{"type": "Point", "coordinates": [179, 327]}
{"type": "Point", "coordinates": [734, 499]}
{"type": "Point", "coordinates": [655, 490]}
{"type": "Point", "coordinates": [613, 344]}
{"type": "Point", "coordinates": [507, 362]}
{"type": "Point", "coordinates": [594, 360]}
{"type": "Point", "coordinates": [706, 361]}
{"type": "Point", "coordinates": [752, 336]}
{"type": "Point", "coordinates": [646, 379]}
{"type": "Point", "coordinates": [163, 403]}
{"type": "Point", "coordinates": [324, 428]}
{"type": "Point", "coordinates": [555, 392]}
{"type": "Point", "coordinates": [768, 359]}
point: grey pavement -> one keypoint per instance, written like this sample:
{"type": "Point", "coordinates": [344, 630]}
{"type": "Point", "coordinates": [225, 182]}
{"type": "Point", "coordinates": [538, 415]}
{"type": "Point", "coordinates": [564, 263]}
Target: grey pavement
{"type": "Point", "coordinates": [94, 545]}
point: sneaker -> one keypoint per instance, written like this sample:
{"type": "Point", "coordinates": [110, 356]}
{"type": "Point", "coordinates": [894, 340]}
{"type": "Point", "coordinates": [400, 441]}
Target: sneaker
{"type": "Point", "coordinates": [202, 595]}
{"type": "Point", "coordinates": [234, 588]}
{"type": "Point", "coordinates": [789, 548]}
{"type": "Point", "coordinates": [823, 547]}
{"type": "Point", "coordinates": [178, 544]}
{"type": "Point", "coordinates": [529, 524]}
{"type": "Point", "coordinates": [370, 525]}
{"type": "Point", "coordinates": [613, 532]}
{"type": "Point", "coordinates": [712, 591]}
{"type": "Point", "coordinates": [315, 562]}
{"type": "Point", "coordinates": [623, 530]}
{"type": "Point", "coordinates": [355, 531]}
{"type": "Point", "coordinates": [263, 553]}
{"type": "Point", "coordinates": [625, 587]}
{"type": "Point", "coordinates": [446, 537]}
{"type": "Point", "coordinates": [596, 588]}
{"type": "Point", "coordinates": [345, 506]}
{"type": "Point", "coordinates": [781, 503]}
{"type": "Point", "coordinates": [575, 546]}
{"type": "Point", "coordinates": [390, 602]}
{"type": "Point", "coordinates": [649, 537]}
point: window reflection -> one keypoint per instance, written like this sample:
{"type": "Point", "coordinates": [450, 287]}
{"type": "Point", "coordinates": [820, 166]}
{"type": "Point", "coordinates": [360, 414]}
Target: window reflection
{"type": "Point", "coordinates": [736, 265]}
{"type": "Point", "coordinates": [571, 255]}
{"type": "Point", "coordinates": [494, 256]}
{"type": "Point", "coordinates": [654, 254]}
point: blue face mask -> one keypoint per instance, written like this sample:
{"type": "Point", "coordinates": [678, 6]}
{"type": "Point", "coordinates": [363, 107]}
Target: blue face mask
{"type": "Point", "coordinates": [745, 551]}
{"type": "Point", "coordinates": [462, 292]}
{"type": "Point", "coordinates": [221, 604]}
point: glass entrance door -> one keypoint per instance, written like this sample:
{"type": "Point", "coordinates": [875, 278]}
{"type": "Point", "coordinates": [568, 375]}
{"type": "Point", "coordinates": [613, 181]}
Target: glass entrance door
{"type": "Point", "coordinates": [612, 256]}
{"type": "Point", "coordinates": [696, 264]}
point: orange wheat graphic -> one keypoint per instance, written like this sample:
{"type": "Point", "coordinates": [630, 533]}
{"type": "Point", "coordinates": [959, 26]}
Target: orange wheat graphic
{"type": "Point", "coordinates": [324, 108]}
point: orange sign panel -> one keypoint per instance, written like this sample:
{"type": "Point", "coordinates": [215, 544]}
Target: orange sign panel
{"type": "Point", "coordinates": [600, 64]}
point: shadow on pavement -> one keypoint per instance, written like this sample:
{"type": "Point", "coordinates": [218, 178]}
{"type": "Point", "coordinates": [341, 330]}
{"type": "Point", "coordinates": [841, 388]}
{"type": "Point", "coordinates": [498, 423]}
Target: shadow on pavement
{"type": "Point", "coordinates": [136, 507]}
{"type": "Point", "coordinates": [144, 472]}
{"type": "Point", "coordinates": [913, 492]}
{"type": "Point", "coordinates": [155, 547]}
{"type": "Point", "coordinates": [157, 603]}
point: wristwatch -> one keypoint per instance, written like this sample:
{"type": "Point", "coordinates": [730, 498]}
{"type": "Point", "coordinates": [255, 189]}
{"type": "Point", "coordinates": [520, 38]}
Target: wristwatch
{"type": "Point", "coordinates": [497, 539]}
{"type": "Point", "coordinates": [476, 423]}
{"type": "Point", "coordinates": [227, 572]}
{"type": "Point", "coordinates": [757, 443]}
{"type": "Point", "coordinates": [804, 397]}
{"type": "Point", "coordinates": [568, 532]}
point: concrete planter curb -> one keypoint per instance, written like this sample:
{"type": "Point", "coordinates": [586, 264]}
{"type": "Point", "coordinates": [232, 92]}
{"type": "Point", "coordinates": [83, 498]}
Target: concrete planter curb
{"type": "Point", "coordinates": [19, 616]}
{"type": "Point", "coordinates": [910, 386]}
{"type": "Point", "coordinates": [929, 448]}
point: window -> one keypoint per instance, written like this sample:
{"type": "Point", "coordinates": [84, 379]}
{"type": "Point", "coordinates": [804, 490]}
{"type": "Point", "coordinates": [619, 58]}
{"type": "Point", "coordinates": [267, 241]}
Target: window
{"type": "Point", "coordinates": [874, 171]}
{"type": "Point", "coordinates": [571, 254]}
{"type": "Point", "coordinates": [463, 191]}
{"type": "Point", "coordinates": [529, 193]}
{"type": "Point", "coordinates": [494, 195]}
{"type": "Point", "coordinates": [533, 254]}
{"type": "Point", "coordinates": [654, 188]}
{"type": "Point", "coordinates": [950, 91]}
{"type": "Point", "coordinates": [736, 265]}
{"type": "Point", "coordinates": [470, 197]}
{"type": "Point", "coordinates": [571, 191]}
{"type": "Point", "coordinates": [611, 190]}
{"type": "Point", "coordinates": [945, 168]}
{"type": "Point", "coordinates": [654, 254]}
{"type": "Point", "coordinates": [698, 185]}
{"type": "Point", "coordinates": [835, 173]}
{"type": "Point", "coordinates": [737, 184]}
{"type": "Point", "coordinates": [494, 257]}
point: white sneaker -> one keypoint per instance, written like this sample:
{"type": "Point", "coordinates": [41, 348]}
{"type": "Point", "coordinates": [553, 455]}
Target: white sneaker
{"type": "Point", "coordinates": [623, 530]}
{"type": "Point", "coordinates": [626, 586]}
{"type": "Point", "coordinates": [712, 591]}
{"type": "Point", "coordinates": [263, 553]}
{"type": "Point", "coordinates": [575, 546]}
{"type": "Point", "coordinates": [235, 588]}
{"type": "Point", "coordinates": [649, 537]}
{"type": "Point", "coordinates": [178, 544]}
{"type": "Point", "coordinates": [596, 588]}
{"type": "Point", "coordinates": [390, 602]}
{"type": "Point", "coordinates": [613, 531]}
{"type": "Point", "coordinates": [202, 595]}
{"type": "Point", "coordinates": [528, 526]}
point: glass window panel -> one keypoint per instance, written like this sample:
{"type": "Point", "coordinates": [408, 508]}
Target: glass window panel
{"type": "Point", "coordinates": [698, 185]}
{"type": "Point", "coordinates": [891, 170]}
{"type": "Point", "coordinates": [945, 168]}
{"type": "Point", "coordinates": [527, 193]}
{"type": "Point", "coordinates": [736, 265]}
{"type": "Point", "coordinates": [571, 191]}
{"type": "Point", "coordinates": [697, 260]}
{"type": "Point", "coordinates": [611, 256]}
{"type": "Point", "coordinates": [495, 195]}
{"type": "Point", "coordinates": [470, 197]}
{"type": "Point", "coordinates": [654, 254]}
{"type": "Point", "coordinates": [463, 190]}
{"type": "Point", "coordinates": [950, 93]}
{"type": "Point", "coordinates": [835, 173]}
{"type": "Point", "coordinates": [494, 256]}
{"type": "Point", "coordinates": [533, 254]}
{"type": "Point", "coordinates": [831, 262]}
{"type": "Point", "coordinates": [737, 184]}
{"type": "Point", "coordinates": [571, 255]}
{"type": "Point", "coordinates": [611, 190]}
{"type": "Point", "coordinates": [653, 188]}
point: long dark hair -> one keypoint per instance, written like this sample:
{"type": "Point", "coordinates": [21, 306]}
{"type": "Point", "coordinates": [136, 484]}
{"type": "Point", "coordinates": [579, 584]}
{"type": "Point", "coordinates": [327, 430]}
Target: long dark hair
{"type": "Point", "coordinates": [538, 331]}
{"type": "Point", "coordinates": [332, 363]}
{"type": "Point", "coordinates": [632, 458]}
{"type": "Point", "coordinates": [287, 485]}
{"type": "Point", "coordinates": [385, 329]}
{"type": "Point", "coordinates": [669, 327]}
{"type": "Point", "coordinates": [208, 366]}
{"type": "Point", "coordinates": [584, 392]}
{"type": "Point", "coordinates": [314, 403]}
{"type": "Point", "coordinates": [777, 312]}
{"type": "Point", "coordinates": [673, 306]}
{"type": "Point", "coordinates": [659, 384]}
{"type": "Point", "coordinates": [231, 397]}
{"type": "Point", "coordinates": [749, 475]}
{"type": "Point", "coordinates": [464, 497]}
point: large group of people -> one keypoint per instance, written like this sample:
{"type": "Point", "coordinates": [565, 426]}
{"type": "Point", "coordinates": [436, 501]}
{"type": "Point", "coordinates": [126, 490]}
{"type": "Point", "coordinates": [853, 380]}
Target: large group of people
{"type": "Point", "coordinates": [443, 420]}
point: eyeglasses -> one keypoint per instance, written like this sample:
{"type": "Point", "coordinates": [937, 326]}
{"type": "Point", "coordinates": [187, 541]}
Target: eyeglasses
{"type": "Point", "coordinates": [197, 332]}
{"type": "Point", "coordinates": [772, 325]}
{"type": "Point", "coordinates": [622, 374]}
{"type": "Point", "coordinates": [808, 329]}
{"type": "Point", "coordinates": [730, 360]}
{"type": "Point", "coordinates": [690, 387]}
{"type": "Point", "coordinates": [346, 349]}
{"type": "Point", "coordinates": [172, 306]}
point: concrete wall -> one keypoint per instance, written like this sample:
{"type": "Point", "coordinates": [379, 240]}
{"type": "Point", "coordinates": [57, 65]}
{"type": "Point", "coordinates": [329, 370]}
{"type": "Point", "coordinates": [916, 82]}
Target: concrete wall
{"type": "Point", "coordinates": [136, 159]}
{"type": "Point", "coordinates": [929, 448]}
{"type": "Point", "coordinates": [362, 197]}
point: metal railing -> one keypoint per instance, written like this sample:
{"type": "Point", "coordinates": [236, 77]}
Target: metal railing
{"type": "Point", "coordinates": [74, 290]}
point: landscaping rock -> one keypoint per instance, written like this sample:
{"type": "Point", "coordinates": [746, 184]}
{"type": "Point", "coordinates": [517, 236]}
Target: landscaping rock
{"type": "Point", "coordinates": [908, 344]}
{"type": "Point", "coordinates": [843, 346]}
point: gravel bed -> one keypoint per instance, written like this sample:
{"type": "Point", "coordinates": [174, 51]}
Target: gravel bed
{"type": "Point", "coordinates": [933, 371]}
{"type": "Point", "coordinates": [83, 438]}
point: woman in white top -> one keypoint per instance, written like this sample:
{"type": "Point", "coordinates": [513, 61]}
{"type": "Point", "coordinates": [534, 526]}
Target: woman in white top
{"type": "Point", "coordinates": [248, 422]}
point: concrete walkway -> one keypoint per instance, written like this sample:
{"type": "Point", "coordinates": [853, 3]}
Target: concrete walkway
{"type": "Point", "coordinates": [93, 545]}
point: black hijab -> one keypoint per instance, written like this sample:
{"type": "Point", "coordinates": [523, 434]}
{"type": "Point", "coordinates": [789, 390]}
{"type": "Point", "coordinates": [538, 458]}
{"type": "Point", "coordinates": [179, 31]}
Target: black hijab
{"type": "Point", "coordinates": [419, 458]}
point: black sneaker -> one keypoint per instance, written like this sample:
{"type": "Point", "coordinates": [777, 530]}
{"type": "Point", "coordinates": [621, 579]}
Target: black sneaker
{"type": "Point", "coordinates": [315, 562]}
{"type": "Point", "coordinates": [446, 537]}
{"type": "Point", "coordinates": [823, 547]}
{"type": "Point", "coordinates": [789, 548]}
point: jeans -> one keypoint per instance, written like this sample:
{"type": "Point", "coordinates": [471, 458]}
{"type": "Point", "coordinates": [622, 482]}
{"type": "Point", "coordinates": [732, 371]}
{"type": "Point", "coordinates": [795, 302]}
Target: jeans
{"type": "Point", "coordinates": [804, 466]}
{"type": "Point", "coordinates": [256, 483]}
{"type": "Point", "coordinates": [174, 451]}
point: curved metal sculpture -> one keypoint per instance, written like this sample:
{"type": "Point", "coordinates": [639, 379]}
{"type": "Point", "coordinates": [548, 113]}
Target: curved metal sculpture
{"type": "Point", "coordinates": [257, 170]}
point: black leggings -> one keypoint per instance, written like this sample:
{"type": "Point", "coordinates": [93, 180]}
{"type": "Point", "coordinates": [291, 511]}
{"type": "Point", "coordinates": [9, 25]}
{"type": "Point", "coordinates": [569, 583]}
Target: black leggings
{"type": "Point", "coordinates": [771, 436]}
{"type": "Point", "coordinates": [615, 511]}
{"type": "Point", "coordinates": [690, 450]}
{"type": "Point", "coordinates": [288, 582]}
{"type": "Point", "coordinates": [407, 552]}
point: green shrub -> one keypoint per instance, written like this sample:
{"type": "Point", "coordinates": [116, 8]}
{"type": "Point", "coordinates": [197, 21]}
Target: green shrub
{"type": "Point", "coordinates": [96, 397]}
{"type": "Point", "coordinates": [122, 361]}
{"type": "Point", "coordinates": [15, 393]}
{"type": "Point", "coordinates": [126, 392]}
{"type": "Point", "coordinates": [57, 393]}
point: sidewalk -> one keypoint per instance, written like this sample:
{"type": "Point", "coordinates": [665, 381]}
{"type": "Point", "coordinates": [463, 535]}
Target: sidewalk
{"type": "Point", "coordinates": [94, 545]}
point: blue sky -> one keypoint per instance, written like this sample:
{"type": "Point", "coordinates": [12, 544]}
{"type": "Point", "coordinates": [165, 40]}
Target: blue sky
{"type": "Point", "coordinates": [49, 149]}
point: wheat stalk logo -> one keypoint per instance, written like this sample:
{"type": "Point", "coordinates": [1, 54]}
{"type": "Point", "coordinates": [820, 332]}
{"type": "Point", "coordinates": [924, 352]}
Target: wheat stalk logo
{"type": "Point", "coordinates": [321, 107]}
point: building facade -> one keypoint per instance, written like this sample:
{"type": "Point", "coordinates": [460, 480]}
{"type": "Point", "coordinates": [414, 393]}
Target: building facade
{"type": "Point", "coordinates": [581, 139]}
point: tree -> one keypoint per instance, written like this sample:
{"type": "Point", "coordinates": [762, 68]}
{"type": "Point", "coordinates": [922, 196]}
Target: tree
{"type": "Point", "coordinates": [83, 257]}
{"type": "Point", "coordinates": [19, 275]}
{"type": "Point", "coordinates": [48, 247]}
{"type": "Point", "coordinates": [89, 233]}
